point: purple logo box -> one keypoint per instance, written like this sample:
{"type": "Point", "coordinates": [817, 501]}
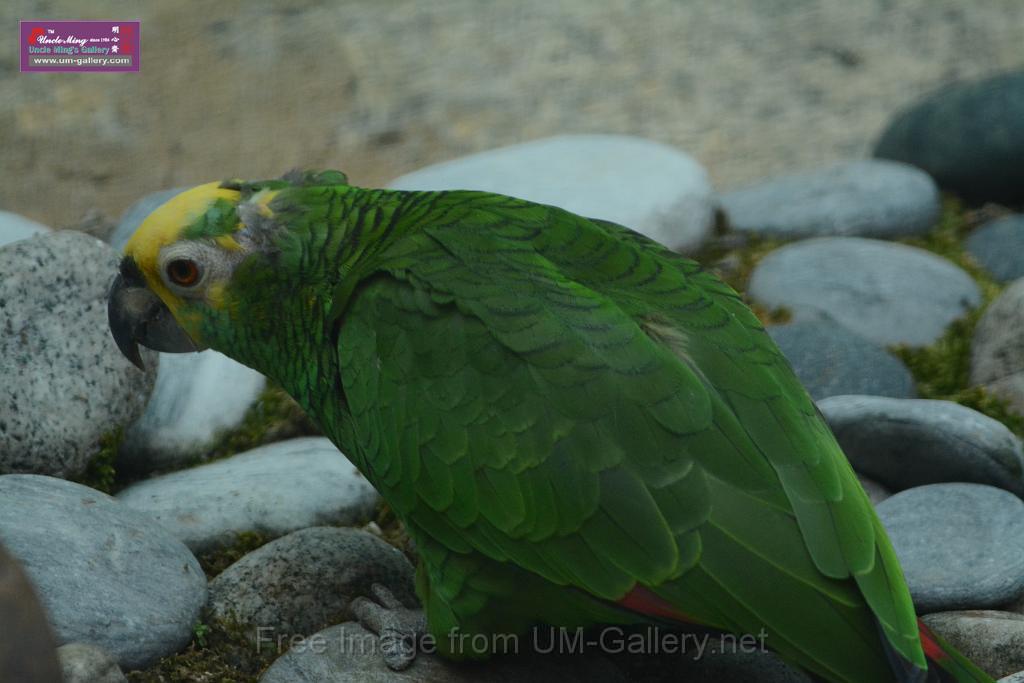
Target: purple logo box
{"type": "Point", "coordinates": [80, 45]}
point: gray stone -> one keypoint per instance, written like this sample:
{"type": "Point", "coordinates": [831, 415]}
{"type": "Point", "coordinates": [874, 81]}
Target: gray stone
{"type": "Point", "coordinates": [993, 640]}
{"type": "Point", "coordinates": [961, 546]}
{"type": "Point", "coordinates": [274, 489]}
{"type": "Point", "coordinates": [830, 360]}
{"type": "Point", "coordinates": [1013, 678]}
{"type": "Point", "coordinates": [969, 137]}
{"type": "Point", "coordinates": [998, 246]}
{"type": "Point", "coordinates": [997, 354]}
{"type": "Point", "coordinates": [348, 653]}
{"type": "Point", "coordinates": [647, 186]}
{"type": "Point", "coordinates": [876, 492]}
{"type": "Point", "coordinates": [132, 218]}
{"type": "Point", "coordinates": [865, 197]}
{"type": "Point", "coordinates": [198, 396]}
{"type": "Point", "coordinates": [106, 574]}
{"type": "Point", "coordinates": [904, 443]}
{"type": "Point", "coordinates": [888, 293]}
{"type": "Point", "coordinates": [306, 580]}
{"type": "Point", "coordinates": [65, 385]}
{"type": "Point", "coordinates": [14, 227]}
{"type": "Point", "coordinates": [85, 663]}
{"type": "Point", "coordinates": [27, 648]}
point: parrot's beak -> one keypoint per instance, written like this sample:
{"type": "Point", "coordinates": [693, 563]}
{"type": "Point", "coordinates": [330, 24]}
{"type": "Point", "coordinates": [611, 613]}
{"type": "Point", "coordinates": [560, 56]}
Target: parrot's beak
{"type": "Point", "coordinates": [137, 316]}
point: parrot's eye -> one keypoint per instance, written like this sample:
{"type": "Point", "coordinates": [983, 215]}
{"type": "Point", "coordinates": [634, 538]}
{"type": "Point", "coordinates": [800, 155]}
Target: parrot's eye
{"type": "Point", "coordinates": [183, 272]}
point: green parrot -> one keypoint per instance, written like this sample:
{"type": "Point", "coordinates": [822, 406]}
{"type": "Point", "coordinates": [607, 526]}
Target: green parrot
{"type": "Point", "coordinates": [576, 426]}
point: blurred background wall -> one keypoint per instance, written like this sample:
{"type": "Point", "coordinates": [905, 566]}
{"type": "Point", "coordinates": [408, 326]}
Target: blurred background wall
{"type": "Point", "coordinates": [382, 87]}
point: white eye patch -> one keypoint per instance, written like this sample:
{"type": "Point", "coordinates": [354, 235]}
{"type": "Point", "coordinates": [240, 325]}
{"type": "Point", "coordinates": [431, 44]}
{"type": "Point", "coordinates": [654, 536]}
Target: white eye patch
{"type": "Point", "coordinates": [189, 268]}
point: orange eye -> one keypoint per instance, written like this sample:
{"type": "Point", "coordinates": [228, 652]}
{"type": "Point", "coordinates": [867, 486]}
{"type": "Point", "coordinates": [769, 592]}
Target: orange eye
{"type": "Point", "coordinates": [183, 272]}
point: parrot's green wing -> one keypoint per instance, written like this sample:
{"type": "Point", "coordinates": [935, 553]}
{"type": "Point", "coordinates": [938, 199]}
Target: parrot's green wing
{"type": "Point", "coordinates": [566, 396]}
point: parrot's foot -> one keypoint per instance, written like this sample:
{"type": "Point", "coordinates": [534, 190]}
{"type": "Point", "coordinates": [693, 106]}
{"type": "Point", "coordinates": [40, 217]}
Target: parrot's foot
{"type": "Point", "coordinates": [399, 627]}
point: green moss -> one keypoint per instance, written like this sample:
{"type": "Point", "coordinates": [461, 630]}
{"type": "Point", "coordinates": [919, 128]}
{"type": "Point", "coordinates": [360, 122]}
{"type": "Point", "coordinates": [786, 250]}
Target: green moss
{"type": "Point", "coordinates": [100, 473]}
{"type": "Point", "coordinates": [734, 256]}
{"type": "Point", "coordinates": [942, 370]}
{"type": "Point", "coordinates": [947, 240]}
{"type": "Point", "coordinates": [199, 633]}
{"type": "Point", "coordinates": [220, 652]}
{"type": "Point", "coordinates": [214, 562]}
{"type": "Point", "coordinates": [274, 416]}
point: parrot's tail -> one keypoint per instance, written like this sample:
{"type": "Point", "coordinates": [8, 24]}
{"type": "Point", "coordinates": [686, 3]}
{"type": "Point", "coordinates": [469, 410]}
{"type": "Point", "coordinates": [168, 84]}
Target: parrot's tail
{"type": "Point", "coordinates": [945, 664]}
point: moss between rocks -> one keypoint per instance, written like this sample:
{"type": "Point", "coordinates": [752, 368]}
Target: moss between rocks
{"type": "Point", "coordinates": [220, 652]}
{"type": "Point", "coordinates": [214, 562]}
{"type": "Point", "coordinates": [733, 257]}
{"type": "Point", "coordinates": [274, 416]}
{"type": "Point", "coordinates": [942, 370]}
{"type": "Point", "coordinates": [100, 473]}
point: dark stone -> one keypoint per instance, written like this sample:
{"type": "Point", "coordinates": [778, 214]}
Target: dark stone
{"type": "Point", "coordinates": [903, 443]}
{"type": "Point", "coordinates": [969, 137]}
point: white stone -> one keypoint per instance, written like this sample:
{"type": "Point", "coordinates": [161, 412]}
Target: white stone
{"type": "Point", "coordinates": [274, 489]}
{"type": "Point", "coordinates": [197, 397]}
{"type": "Point", "coordinates": [644, 185]}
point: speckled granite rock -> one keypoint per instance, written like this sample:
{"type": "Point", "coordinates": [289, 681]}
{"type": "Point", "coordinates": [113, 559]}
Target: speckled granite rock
{"type": "Point", "coordinates": [274, 489]}
{"type": "Point", "coordinates": [27, 648]}
{"type": "Point", "coordinates": [910, 442]}
{"type": "Point", "coordinates": [647, 186]}
{"type": "Point", "coordinates": [830, 360]}
{"type": "Point", "coordinates": [65, 382]}
{"type": "Point", "coordinates": [304, 581]}
{"type": "Point", "coordinates": [84, 663]}
{"type": "Point", "coordinates": [961, 546]}
{"type": "Point", "coordinates": [107, 574]}
{"type": "Point", "coordinates": [968, 136]}
{"type": "Point", "coordinates": [997, 354]}
{"type": "Point", "coordinates": [864, 197]}
{"type": "Point", "coordinates": [993, 640]}
{"type": "Point", "coordinates": [887, 293]}
{"type": "Point", "coordinates": [14, 227]}
{"type": "Point", "coordinates": [197, 397]}
{"type": "Point", "coordinates": [998, 246]}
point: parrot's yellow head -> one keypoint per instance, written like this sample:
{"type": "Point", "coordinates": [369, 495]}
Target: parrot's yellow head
{"type": "Point", "coordinates": [212, 265]}
{"type": "Point", "coordinates": [179, 260]}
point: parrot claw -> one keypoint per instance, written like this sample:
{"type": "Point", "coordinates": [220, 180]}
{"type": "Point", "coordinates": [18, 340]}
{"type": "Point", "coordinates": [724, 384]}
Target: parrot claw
{"type": "Point", "coordinates": [398, 627]}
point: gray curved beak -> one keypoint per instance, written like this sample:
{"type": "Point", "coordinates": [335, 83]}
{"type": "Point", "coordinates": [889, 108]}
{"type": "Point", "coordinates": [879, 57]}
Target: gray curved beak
{"type": "Point", "coordinates": [137, 316]}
